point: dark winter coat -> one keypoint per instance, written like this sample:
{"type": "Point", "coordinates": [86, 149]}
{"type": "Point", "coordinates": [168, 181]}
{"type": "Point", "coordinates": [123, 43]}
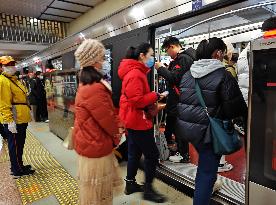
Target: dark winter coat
{"type": "Point", "coordinates": [173, 75]}
{"type": "Point", "coordinates": [222, 96]}
{"type": "Point", "coordinates": [33, 92]}
{"type": "Point", "coordinates": [37, 91]}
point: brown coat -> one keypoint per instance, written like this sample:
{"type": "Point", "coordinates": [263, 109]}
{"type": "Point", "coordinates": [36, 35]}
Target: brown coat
{"type": "Point", "coordinates": [96, 123]}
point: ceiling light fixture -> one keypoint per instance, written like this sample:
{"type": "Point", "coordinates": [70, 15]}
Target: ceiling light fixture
{"type": "Point", "coordinates": [137, 13]}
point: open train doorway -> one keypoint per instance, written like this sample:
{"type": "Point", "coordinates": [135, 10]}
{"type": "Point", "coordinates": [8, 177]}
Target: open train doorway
{"type": "Point", "coordinates": [237, 28]}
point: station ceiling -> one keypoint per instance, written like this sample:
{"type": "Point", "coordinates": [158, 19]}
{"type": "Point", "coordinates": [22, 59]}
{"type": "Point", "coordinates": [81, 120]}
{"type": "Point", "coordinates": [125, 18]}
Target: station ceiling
{"type": "Point", "coordinates": [56, 10]}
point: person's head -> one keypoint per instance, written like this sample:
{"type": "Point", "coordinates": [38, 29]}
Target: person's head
{"type": "Point", "coordinates": [143, 53]}
{"type": "Point", "coordinates": [8, 65]}
{"type": "Point", "coordinates": [214, 48]}
{"type": "Point", "coordinates": [39, 75]}
{"type": "Point", "coordinates": [26, 70]}
{"type": "Point", "coordinates": [31, 75]}
{"type": "Point", "coordinates": [172, 46]}
{"type": "Point", "coordinates": [91, 53]}
{"type": "Point", "coordinates": [230, 51]}
{"type": "Point", "coordinates": [17, 74]}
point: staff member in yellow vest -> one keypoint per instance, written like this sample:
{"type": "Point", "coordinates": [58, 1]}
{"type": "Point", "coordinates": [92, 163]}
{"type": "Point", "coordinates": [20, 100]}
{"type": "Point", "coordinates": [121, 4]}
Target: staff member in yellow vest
{"type": "Point", "coordinates": [15, 115]}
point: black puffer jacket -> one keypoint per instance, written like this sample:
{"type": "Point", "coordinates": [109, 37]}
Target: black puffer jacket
{"type": "Point", "coordinates": [221, 94]}
{"type": "Point", "coordinates": [173, 75]}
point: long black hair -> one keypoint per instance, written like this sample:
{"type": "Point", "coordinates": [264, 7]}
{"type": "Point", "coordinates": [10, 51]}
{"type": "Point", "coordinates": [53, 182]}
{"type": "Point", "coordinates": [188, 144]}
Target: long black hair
{"type": "Point", "coordinates": [206, 48]}
{"type": "Point", "coordinates": [134, 53]}
{"type": "Point", "coordinates": [89, 75]}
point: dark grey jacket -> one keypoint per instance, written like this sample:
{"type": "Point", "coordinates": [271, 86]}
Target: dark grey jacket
{"type": "Point", "coordinates": [221, 94]}
{"type": "Point", "coordinates": [173, 75]}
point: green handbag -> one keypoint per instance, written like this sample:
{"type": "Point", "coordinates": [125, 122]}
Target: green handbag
{"type": "Point", "coordinates": [225, 138]}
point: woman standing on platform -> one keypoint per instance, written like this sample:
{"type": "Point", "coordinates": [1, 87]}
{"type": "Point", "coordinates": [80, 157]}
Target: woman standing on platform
{"type": "Point", "coordinates": [96, 128]}
{"type": "Point", "coordinates": [134, 104]}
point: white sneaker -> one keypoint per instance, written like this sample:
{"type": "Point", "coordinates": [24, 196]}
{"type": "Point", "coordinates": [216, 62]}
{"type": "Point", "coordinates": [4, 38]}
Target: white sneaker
{"type": "Point", "coordinates": [176, 158]}
{"type": "Point", "coordinates": [225, 168]}
{"type": "Point", "coordinates": [239, 129]}
{"type": "Point", "coordinates": [217, 186]}
{"type": "Point", "coordinates": [46, 121]}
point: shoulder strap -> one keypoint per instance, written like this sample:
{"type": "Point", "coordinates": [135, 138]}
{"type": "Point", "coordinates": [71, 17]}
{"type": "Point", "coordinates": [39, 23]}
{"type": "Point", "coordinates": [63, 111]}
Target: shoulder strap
{"type": "Point", "coordinates": [106, 85]}
{"type": "Point", "coordinates": [200, 97]}
{"type": "Point", "coordinates": [15, 84]}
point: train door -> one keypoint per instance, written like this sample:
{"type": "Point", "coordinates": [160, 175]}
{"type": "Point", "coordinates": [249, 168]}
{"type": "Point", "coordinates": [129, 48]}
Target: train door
{"type": "Point", "coordinates": [262, 149]}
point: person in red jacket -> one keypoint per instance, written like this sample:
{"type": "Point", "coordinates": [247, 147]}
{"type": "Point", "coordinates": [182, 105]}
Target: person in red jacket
{"type": "Point", "coordinates": [135, 99]}
{"type": "Point", "coordinates": [96, 128]}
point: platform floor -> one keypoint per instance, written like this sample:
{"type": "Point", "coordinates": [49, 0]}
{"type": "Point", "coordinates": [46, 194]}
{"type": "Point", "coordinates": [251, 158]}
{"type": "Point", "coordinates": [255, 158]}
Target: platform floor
{"type": "Point", "coordinates": [54, 181]}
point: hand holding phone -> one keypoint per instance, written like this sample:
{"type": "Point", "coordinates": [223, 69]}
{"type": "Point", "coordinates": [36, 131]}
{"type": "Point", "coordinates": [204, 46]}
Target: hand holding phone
{"type": "Point", "coordinates": [165, 94]}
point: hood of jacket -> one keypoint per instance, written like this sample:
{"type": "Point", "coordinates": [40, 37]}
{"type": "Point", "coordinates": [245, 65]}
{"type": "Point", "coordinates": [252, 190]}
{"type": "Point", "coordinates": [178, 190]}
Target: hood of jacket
{"type": "Point", "coordinates": [204, 67]}
{"type": "Point", "coordinates": [128, 65]}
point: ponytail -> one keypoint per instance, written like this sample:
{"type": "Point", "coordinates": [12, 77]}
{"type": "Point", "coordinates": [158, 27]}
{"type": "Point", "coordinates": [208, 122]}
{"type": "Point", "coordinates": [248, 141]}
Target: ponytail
{"type": "Point", "coordinates": [201, 50]}
{"type": "Point", "coordinates": [134, 53]}
{"type": "Point", "coordinates": [130, 54]}
{"type": "Point", "coordinates": [206, 48]}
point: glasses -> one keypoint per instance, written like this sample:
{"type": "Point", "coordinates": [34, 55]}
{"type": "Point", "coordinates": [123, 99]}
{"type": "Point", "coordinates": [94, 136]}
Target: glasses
{"type": "Point", "coordinates": [166, 49]}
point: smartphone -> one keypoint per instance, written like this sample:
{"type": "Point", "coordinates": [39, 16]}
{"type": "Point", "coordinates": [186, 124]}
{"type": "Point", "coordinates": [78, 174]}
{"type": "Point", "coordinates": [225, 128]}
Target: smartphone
{"type": "Point", "coordinates": [166, 93]}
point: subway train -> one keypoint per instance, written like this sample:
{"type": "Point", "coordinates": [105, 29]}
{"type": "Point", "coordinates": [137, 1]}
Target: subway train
{"type": "Point", "coordinates": [253, 178]}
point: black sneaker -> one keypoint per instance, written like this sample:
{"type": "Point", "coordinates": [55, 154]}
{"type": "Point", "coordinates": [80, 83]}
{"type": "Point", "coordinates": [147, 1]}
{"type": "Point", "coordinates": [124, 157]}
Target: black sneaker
{"type": "Point", "coordinates": [151, 195]}
{"type": "Point", "coordinates": [27, 167]}
{"type": "Point", "coordinates": [24, 173]}
{"type": "Point", "coordinates": [132, 187]}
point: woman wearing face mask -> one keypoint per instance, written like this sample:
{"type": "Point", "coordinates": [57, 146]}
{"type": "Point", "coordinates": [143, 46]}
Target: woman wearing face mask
{"type": "Point", "coordinates": [96, 128]}
{"type": "Point", "coordinates": [223, 99]}
{"type": "Point", "coordinates": [135, 98]}
{"type": "Point", "coordinates": [15, 115]}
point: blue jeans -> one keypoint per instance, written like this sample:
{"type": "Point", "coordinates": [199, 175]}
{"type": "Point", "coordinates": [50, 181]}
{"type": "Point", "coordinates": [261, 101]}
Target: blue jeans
{"type": "Point", "coordinates": [206, 175]}
{"type": "Point", "coordinates": [142, 142]}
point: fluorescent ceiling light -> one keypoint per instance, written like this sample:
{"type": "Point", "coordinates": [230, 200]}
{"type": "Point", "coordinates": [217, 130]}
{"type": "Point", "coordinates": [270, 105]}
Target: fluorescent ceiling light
{"type": "Point", "coordinates": [137, 13]}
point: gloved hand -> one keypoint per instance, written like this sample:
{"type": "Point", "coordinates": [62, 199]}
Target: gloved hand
{"type": "Point", "coordinates": [12, 127]}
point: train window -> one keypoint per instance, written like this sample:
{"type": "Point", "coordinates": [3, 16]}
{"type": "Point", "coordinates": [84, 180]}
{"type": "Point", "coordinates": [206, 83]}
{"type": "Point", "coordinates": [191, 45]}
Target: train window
{"type": "Point", "coordinates": [263, 130]}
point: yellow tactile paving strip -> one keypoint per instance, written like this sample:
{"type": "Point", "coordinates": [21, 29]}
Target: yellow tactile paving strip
{"type": "Point", "coordinates": [50, 177]}
{"type": "Point", "coordinates": [4, 157]}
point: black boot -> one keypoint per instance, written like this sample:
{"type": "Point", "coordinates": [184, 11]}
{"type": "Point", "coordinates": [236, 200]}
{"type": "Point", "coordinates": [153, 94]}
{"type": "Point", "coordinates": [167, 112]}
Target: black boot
{"type": "Point", "coordinates": [133, 187]}
{"type": "Point", "coordinates": [151, 195]}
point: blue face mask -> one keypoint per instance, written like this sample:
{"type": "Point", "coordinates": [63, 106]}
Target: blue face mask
{"type": "Point", "coordinates": [150, 62]}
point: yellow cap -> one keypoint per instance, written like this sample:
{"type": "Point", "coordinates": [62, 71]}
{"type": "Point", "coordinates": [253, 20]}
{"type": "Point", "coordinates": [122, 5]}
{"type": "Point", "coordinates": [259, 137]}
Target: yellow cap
{"type": "Point", "coordinates": [6, 59]}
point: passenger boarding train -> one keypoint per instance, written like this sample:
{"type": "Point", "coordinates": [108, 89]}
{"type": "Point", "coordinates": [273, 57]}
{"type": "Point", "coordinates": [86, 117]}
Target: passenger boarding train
{"type": "Point", "coordinates": [253, 179]}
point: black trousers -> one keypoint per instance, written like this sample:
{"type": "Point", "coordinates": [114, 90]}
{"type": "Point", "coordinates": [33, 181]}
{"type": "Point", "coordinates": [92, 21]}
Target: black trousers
{"type": "Point", "coordinates": [142, 142]}
{"type": "Point", "coordinates": [16, 144]}
{"type": "Point", "coordinates": [2, 132]}
{"type": "Point", "coordinates": [42, 111]}
{"type": "Point", "coordinates": [183, 145]}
